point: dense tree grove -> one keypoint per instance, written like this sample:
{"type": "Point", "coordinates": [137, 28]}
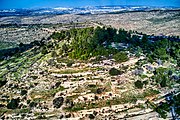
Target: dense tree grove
{"type": "Point", "coordinates": [88, 42]}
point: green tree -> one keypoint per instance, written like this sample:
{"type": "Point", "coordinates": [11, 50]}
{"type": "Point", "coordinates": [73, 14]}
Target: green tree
{"type": "Point", "coordinates": [44, 50]}
{"type": "Point", "coordinates": [21, 44]}
{"type": "Point", "coordinates": [163, 82]}
{"type": "Point", "coordinates": [54, 54]}
{"type": "Point", "coordinates": [161, 53]}
{"type": "Point", "coordinates": [114, 72]}
{"type": "Point", "coordinates": [144, 39]}
{"type": "Point", "coordinates": [138, 84]}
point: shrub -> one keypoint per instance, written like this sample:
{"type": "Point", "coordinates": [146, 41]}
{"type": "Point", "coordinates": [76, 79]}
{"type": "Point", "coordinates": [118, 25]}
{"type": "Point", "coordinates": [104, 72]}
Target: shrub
{"type": "Point", "coordinates": [145, 82]}
{"type": "Point", "coordinates": [54, 54]}
{"type": "Point", "coordinates": [114, 71]}
{"type": "Point", "coordinates": [44, 50]}
{"type": "Point", "coordinates": [3, 82]}
{"type": "Point", "coordinates": [23, 92]}
{"type": "Point", "coordinates": [163, 83]}
{"type": "Point", "coordinates": [91, 116]}
{"type": "Point", "coordinates": [121, 57]}
{"type": "Point", "coordinates": [138, 84]}
{"type": "Point", "coordinates": [13, 104]}
{"type": "Point", "coordinates": [69, 64]}
{"type": "Point", "coordinates": [100, 90]}
{"type": "Point", "coordinates": [34, 77]}
{"type": "Point", "coordinates": [57, 102]}
{"type": "Point", "coordinates": [33, 104]}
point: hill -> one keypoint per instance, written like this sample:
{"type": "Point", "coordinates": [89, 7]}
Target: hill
{"type": "Point", "coordinates": [94, 72]}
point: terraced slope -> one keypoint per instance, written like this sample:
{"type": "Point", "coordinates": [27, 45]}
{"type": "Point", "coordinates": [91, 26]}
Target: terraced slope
{"type": "Point", "coordinates": [46, 82]}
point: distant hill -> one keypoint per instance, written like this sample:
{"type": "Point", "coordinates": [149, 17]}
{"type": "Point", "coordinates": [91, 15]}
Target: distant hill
{"type": "Point", "coordinates": [80, 10]}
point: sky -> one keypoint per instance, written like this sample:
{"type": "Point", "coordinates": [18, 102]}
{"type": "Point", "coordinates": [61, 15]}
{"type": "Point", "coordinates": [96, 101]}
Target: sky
{"type": "Point", "coordinates": [10, 4]}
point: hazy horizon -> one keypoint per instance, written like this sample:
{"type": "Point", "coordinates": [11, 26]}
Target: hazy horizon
{"type": "Point", "coordinates": [17, 4]}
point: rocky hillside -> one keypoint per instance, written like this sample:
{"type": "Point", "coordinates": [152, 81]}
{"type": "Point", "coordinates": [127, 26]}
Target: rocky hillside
{"type": "Point", "coordinates": [92, 73]}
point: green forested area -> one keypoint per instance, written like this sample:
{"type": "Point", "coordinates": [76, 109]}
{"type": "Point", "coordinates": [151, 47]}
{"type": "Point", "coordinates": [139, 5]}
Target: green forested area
{"type": "Point", "coordinates": [88, 42]}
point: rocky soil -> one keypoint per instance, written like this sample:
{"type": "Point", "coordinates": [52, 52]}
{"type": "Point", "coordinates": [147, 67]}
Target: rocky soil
{"type": "Point", "coordinates": [157, 22]}
{"type": "Point", "coordinates": [42, 87]}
